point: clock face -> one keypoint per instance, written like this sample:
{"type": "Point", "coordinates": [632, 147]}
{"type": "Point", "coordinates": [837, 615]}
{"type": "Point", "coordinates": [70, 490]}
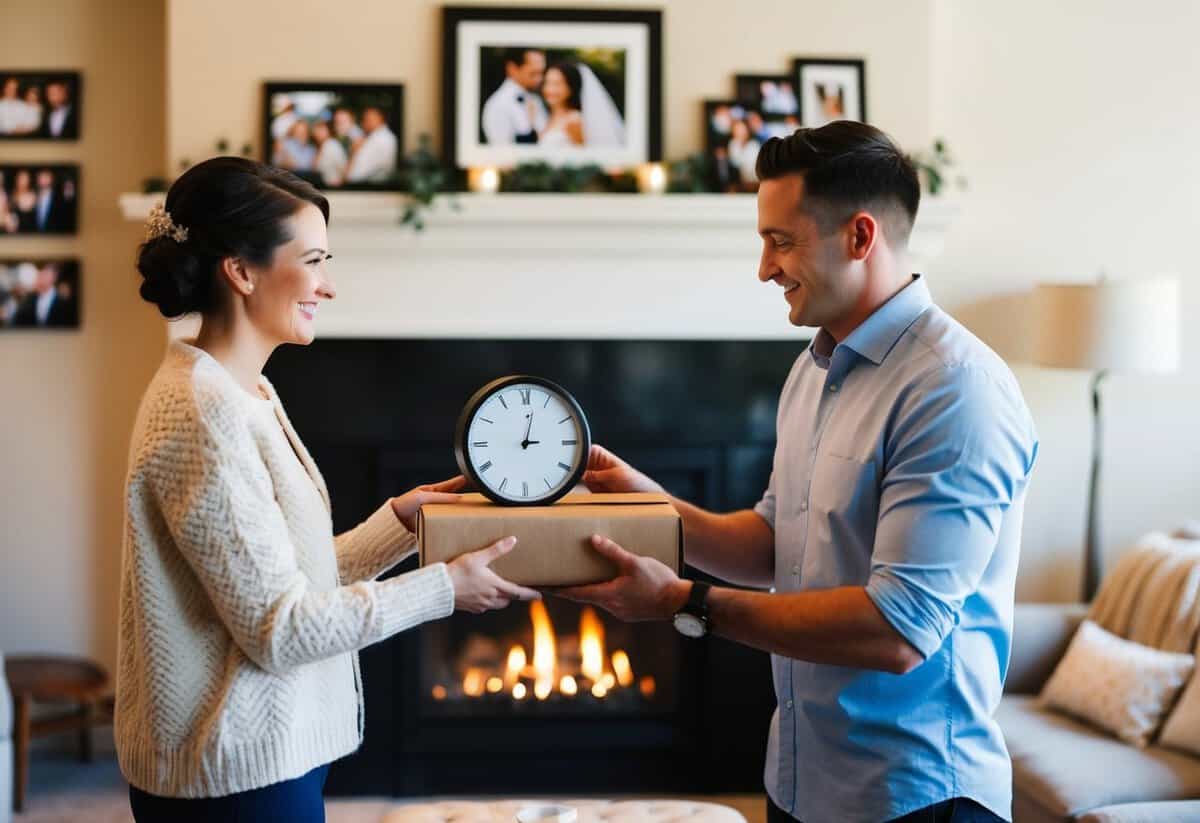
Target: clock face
{"type": "Point", "coordinates": [523, 440]}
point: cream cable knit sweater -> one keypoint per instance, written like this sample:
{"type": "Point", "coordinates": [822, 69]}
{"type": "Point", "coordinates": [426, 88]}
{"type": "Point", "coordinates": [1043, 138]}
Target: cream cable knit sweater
{"type": "Point", "coordinates": [241, 613]}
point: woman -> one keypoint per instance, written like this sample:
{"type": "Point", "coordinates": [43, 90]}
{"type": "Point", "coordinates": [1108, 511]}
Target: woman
{"type": "Point", "coordinates": [561, 89]}
{"type": "Point", "coordinates": [23, 202]}
{"type": "Point", "coordinates": [743, 152]}
{"type": "Point", "coordinates": [241, 612]}
{"type": "Point", "coordinates": [331, 161]}
{"type": "Point", "coordinates": [582, 112]}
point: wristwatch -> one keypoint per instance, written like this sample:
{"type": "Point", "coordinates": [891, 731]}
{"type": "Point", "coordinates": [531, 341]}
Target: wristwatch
{"type": "Point", "coordinates": [692, 619]}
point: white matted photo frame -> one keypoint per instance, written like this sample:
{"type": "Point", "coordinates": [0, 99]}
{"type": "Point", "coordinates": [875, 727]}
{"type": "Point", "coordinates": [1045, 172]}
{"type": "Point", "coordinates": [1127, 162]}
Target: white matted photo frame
{"type": "Point", "coordinates": [561, 86]}
{"type": "Point", "coordinates": [830, 89]}
{"type": "Point", "coordinates": [347, 136]}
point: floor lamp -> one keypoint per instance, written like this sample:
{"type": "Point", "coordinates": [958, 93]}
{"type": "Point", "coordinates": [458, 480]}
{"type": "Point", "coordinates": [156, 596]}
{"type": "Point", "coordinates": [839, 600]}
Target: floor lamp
{"type": "Point", "coordinates": [1104, 327]}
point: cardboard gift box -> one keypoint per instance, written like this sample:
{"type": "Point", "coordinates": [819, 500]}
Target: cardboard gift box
{"type": "Point", "coordinates": [554, 542]}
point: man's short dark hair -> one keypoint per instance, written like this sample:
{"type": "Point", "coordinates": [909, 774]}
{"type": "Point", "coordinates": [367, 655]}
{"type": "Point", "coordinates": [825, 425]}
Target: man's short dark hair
{"type": "Point", "coordinates": [847, 167]}
{"type": "Point", "coordinates": [516, 55]}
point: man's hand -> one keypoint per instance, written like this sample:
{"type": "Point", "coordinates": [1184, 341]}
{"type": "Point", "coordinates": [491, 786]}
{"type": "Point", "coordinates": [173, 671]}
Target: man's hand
{"type": "Point", "coordinates": [644, 589]}
{"type": "Point", "coordinates": [608, 473]}
{"type": "Point", "coordinates": [406, 505]}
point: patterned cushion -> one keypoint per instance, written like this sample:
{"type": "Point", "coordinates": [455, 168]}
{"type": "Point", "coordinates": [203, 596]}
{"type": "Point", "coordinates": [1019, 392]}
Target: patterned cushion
{"type": "Point", "coordinates": [1120, 686]}
{"type": "Point", "coordinates": [590, 811]}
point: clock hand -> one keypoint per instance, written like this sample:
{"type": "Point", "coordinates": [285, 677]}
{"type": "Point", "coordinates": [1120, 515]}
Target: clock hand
{"type": "Point", "coordinates": [525, 442]}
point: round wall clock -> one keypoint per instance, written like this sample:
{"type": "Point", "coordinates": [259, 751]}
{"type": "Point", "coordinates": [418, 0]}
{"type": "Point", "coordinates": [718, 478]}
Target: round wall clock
{"type": "Point", "coordinates": [522, 441]}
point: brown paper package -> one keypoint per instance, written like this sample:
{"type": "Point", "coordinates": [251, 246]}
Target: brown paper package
{"type": "Point", "coordinates": [554, 542]}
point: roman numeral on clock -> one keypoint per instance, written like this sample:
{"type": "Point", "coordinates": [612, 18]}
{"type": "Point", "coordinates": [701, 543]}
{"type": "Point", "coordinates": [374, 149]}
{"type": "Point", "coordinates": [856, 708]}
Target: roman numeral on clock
{"type": "Point", "coordinates": [564, 420]}
{"type": "Point", "coordinates": [525, 393]}
{"type": "Point", "coordinates": [570, 442]}
{"type": "Point", "coordinates": [564, 467]}
{"type": "Point", "coordinates": [524, 489]}
{"type": "Point", "coordinates": [503, 483]}
{"type": "Point", "coordinates": [486, 466]}
{"type": "Point", "coordinates": [500, 397]}
{"type": "Point", "coordinates": [480, 444]}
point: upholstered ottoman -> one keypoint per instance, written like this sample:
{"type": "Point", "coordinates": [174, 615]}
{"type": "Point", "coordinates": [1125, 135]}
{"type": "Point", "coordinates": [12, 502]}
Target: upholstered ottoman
{"type": "Point", "coordinates": [590, 811]}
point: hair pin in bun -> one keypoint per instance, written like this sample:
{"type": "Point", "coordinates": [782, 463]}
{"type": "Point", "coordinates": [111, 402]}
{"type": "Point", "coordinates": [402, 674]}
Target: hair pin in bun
{"type": "Point", "coordinates": [160, 224]}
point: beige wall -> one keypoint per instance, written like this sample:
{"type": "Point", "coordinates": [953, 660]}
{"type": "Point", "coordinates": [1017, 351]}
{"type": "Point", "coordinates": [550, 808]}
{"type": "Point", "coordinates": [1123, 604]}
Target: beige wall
{"type": "Point", "coordinates": [215, 68]}
{"type": "Point", "coordinates": [1076, 123]}
{"type": "Point", "coordinates": [69, 398]}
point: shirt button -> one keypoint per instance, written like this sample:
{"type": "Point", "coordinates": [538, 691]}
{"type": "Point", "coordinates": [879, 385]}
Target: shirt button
{"type": "Point", "coordinates": [833, 387]}
{"type": "Point", "coordinates": [796, 569]}
{"type": "Point", "coordinates": [788, 705]}
{"type": "Point", "coordinates": [803, 505]}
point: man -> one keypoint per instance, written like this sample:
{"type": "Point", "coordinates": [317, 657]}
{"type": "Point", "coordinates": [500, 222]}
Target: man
{"type": "Point", "coordinates": [61, 120]}
{"type": "Point", "coordinates": [52, 213]}
{"type": "Point", "coordinates": [374, 159]}
{"type": "Point", "coordinates": [46, 307]}
{"type": "Point", "coordinates": [515, 113]}
{"type": "Point", "coordinates": [889, 530]}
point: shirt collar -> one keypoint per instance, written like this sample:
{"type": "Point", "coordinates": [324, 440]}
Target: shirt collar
{"type": "Point", "coordinates": [876, 335]}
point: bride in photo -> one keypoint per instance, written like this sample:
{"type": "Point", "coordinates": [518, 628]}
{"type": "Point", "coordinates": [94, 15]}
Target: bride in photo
{"type": "Point", "coordinates": [582, 112]}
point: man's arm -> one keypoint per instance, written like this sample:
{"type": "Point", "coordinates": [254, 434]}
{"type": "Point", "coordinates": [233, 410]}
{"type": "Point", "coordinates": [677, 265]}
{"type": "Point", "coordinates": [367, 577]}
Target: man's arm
{"type": "Point", "coordinates": [737, 547]}
{"type": "Point", "coordinates": [840, 627]}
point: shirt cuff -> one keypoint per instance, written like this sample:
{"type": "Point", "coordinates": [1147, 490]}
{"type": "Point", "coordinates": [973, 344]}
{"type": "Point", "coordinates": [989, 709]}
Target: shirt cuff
{"type": "Point", "coordinates": [905, 612]}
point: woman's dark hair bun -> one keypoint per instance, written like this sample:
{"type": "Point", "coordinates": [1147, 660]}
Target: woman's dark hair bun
{"type": "Point", "coordinates": [229, 207]}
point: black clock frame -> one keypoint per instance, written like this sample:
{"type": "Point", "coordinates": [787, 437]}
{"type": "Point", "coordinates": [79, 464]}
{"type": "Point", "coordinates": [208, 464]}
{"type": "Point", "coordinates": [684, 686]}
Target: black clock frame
{"type": "Point", "coordinates": [473, 405]}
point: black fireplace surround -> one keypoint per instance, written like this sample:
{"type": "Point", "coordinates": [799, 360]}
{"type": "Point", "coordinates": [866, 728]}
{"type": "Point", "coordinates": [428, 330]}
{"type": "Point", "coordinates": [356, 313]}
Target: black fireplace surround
{"type": "Point", "coordinates": [699, 416]}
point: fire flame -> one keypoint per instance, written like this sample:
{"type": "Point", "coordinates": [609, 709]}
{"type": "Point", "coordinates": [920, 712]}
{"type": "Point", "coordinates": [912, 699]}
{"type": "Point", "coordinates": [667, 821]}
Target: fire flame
{"type": "Point", "coordinates": [622, 668]}
{"type": "Point", "coordinates": [545, 654]}
{"type": "Point", "coordinates": [591, 644]}
{"type": "Point", "coordinates": [514, 666]}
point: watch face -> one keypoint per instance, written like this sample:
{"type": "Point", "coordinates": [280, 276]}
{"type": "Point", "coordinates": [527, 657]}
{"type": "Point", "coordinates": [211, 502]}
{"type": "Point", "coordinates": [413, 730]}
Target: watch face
{"type": "Point", "coordinates": [523, 441]}
{"type": "Point", "coordinates": [689, 625]}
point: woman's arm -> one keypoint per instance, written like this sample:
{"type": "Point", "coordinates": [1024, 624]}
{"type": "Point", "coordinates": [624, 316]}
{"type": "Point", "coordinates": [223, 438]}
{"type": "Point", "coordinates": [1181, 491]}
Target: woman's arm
{"type": "Point", "coordinates": [216, 499]}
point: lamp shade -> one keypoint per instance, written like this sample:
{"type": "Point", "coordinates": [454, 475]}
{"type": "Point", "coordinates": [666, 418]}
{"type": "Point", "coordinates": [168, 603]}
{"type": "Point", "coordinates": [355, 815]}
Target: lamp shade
{"type": "Point", "coordinates": [1112, 325]}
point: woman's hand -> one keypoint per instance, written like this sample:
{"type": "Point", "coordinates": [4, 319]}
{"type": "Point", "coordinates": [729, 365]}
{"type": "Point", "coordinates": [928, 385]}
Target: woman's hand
{"type": "Point", "coordinates": [406, 505]}
{"type": "Point", "coordinates": [477, 588]}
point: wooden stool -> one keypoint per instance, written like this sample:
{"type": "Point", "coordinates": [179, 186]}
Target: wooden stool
{"type": "Point", "coordinates": [47, 679]}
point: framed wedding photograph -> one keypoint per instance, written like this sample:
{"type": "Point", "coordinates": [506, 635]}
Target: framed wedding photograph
{"type": "Point", "coordinates": [40, 105]}
{"type": "Point", "coordinates": [830, 90]}
{"type": "Point", "coordinates": [346, 136]}
{"type": "Point", "coordinates": [39, 293]}
{"type": "Point", "coordinates": [39, 198]}
{"type": "Point", "coordinates": [734, 132]}
{"type": "Point", "coordinates": [561, 86]}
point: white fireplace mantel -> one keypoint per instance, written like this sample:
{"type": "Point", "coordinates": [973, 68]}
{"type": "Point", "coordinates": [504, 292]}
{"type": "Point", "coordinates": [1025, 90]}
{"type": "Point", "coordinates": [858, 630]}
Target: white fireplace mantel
{"type": "Point", "coordinates": [559, 266]}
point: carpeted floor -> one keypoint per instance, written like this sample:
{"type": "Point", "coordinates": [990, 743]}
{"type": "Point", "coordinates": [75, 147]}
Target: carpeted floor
{"type": "Point", "coordinates": [62, 790]}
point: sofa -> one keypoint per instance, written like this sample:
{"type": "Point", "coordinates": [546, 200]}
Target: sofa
{"type": "Point", "coordinates": [1066, 770]}
{"type": "Point", "coordinates": [6, 748]}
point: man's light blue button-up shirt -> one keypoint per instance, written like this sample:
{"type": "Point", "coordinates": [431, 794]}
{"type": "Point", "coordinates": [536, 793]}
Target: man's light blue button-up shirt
{"type": "Point", "coordinates": [903, 457]}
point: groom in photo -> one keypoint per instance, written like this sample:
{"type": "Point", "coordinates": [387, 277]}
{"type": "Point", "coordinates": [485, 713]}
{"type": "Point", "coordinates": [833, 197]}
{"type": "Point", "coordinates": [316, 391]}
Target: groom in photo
{"type": "Point", "coordinates": [515, 112]}
{"type": "Point", "coordinates": [885, 545]}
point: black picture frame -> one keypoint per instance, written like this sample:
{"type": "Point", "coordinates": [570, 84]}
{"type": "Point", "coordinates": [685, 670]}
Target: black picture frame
{"type": "Point", "coordinates": [747, 88]}
{"type": "Point", "coordinates": [811, 117]}
{"type": "Point", "coordinates": [58, 216]}
{"type": "Point", "coordinates": [18, 300]}
{"type": "Point", "coordinates": [53, 130]}
{"type": "Point", "coordinates": [388, 98]}
{"type": "Point", "coordinates": [648, 144]}
{"type": "Point", "coordinates": [732, 171]}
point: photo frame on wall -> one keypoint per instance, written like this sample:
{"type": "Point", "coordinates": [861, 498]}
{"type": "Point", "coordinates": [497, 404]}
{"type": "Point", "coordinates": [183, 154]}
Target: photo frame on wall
{"type": "Point", "coordinates": [561, 86]}
{"type": "Point", "coordinates": [39, 198]}
{"type": "Point", "coordinates": [37, 293]}
{"type": "Point", "coordinates": [347, 136]}
{"type": "Point", "coordinates": [40, 105]}
{"type": "Point", "coordinates": [830, 89]}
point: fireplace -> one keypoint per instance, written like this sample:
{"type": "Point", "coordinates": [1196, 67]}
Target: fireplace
{"type": "Point", "coordinates": [548, 697]}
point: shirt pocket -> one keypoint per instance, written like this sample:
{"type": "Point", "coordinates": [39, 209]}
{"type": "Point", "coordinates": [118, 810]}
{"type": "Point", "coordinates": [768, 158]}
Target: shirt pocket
{"type": "Point", "coordinates": [844, 506]}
